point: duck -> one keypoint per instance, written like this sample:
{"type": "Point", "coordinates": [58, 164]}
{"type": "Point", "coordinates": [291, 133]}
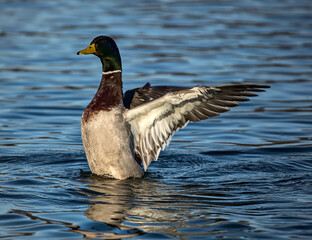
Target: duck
{"type": "Point", "coordinates": [120, 132]}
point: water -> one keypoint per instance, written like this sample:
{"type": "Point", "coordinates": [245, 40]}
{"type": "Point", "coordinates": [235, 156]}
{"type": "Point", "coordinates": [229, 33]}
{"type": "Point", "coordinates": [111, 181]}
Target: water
{"type": "Point", "coordinates": [244, 175]}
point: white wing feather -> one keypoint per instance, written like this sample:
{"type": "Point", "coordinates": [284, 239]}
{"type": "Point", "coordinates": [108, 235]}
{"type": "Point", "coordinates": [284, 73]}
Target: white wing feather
{"type": "Point", "coordinates": [154, 123]}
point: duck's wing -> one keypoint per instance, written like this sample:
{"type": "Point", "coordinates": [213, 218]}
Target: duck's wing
{"type": "Point", "coordinates": [135, 97]}
{"type": "Point", "coordinates": [154, 123]}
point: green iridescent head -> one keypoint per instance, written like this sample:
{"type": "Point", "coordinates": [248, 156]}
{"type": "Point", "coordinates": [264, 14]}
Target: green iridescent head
{"type": "Point", "coordinates": [106, 49]}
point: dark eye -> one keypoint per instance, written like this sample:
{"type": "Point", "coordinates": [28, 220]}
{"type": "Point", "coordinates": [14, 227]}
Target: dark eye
{"type": "Point", "coordinates": [90, 47]}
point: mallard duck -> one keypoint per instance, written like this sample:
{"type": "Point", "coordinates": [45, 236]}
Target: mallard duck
{"type": "Point", "coordinates": [122, 131]}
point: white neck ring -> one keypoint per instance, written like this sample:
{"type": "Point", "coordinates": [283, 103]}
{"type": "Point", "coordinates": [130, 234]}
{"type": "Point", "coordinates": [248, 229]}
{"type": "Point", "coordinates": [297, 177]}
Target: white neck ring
{"type": "Point", "coordinates": [110, 72]}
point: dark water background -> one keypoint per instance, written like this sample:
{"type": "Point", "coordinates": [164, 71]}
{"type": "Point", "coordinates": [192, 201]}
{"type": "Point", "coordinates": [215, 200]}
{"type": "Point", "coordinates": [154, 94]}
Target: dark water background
{"type": "Point", "coordinates": [245, 175]}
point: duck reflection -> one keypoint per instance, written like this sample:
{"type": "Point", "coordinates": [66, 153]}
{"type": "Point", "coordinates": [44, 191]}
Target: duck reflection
{"type": "Point", "coordinates": [110, 200]}
{"type": "Point", "coordinates": [124, 207]}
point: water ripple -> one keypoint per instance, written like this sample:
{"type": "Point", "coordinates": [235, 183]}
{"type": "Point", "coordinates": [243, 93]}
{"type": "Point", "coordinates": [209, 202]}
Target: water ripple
{"type": "Point", "coordinates": [246, 174]}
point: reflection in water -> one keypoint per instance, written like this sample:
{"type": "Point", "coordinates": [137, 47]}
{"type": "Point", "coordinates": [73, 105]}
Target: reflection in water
{"type": "Point", "coordinates": [121, 205]}
{"type": "Point", "coordinates": [139, 207]}
{"type": "Point", "coordinates": [109, 202]}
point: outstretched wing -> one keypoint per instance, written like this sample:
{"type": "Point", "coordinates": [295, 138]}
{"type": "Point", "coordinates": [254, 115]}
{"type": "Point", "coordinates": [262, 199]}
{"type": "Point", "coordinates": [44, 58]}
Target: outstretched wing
{"type": "Point", "coordinates": [154, 123]}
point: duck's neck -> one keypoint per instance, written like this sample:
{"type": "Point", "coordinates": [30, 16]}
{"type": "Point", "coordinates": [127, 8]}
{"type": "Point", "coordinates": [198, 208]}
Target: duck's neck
{"type": "Point", "coordinates": [108, 95]}
{"type": "Point", "coordinates": [112, 63]}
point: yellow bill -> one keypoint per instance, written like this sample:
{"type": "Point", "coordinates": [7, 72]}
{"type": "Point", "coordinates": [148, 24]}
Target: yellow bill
{"type": "Point", "coordinates": [88, 50]}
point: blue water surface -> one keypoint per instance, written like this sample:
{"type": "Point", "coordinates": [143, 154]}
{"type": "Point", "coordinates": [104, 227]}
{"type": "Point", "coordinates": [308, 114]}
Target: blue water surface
{"type": "Point", "coordinates": [244, 175]}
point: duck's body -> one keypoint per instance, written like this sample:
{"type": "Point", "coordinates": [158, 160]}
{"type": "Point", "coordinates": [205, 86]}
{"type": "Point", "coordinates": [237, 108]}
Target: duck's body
{"type": "Point", "coordinates": [119, 132]}
{"type": "Point", "coordinates": [109, 146]}
{"type": "Point", "coordinates": [105, 133]}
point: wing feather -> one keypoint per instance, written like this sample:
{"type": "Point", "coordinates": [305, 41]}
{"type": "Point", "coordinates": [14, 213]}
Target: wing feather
{"type": "Point", "coordinates": [154, 123]}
